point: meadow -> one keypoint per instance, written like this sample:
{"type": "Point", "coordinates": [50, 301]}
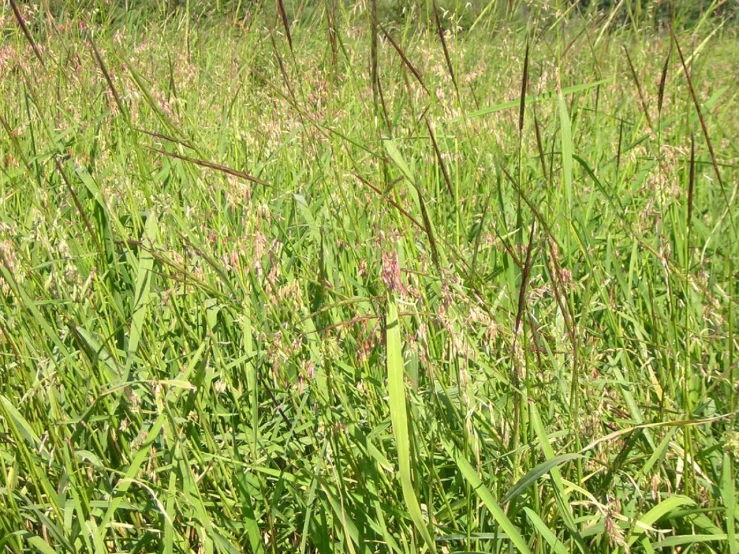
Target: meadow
{"type": "Point", "coordinates": [325, 278]}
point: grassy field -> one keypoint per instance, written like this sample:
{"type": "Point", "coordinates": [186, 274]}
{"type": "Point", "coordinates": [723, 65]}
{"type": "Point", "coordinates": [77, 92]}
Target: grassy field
{"type": "Point", "coordinates": [342, 290]}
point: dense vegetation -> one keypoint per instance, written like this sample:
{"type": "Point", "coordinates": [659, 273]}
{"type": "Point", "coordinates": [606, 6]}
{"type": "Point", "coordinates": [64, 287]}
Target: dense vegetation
{"type": "Point", "coordinates": [292, 278]}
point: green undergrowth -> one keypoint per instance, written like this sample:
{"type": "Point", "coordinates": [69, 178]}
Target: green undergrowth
{"type": "Point", "coordinates": [273, 289]}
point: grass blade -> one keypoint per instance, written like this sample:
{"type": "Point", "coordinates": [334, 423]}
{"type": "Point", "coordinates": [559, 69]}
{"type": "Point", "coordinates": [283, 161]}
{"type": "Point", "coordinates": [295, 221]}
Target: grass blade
{"type": "Point", "coordinates": [22, 426]}
{"type": "Point", "coordinates": [554, 543]}
{"type": "Point", "coordinates": [524, 87]}
{"type": "Point", "coordinates": [440, 33]}
{"type": "Point", "coordinates": [285, 23]}
{"type": "Point", "coordinates": [682, 540]}
{"type": "Point", "coordinates": [662, 82]}
{"type": "Point", "coordinates": [514, 103]}
{"type": "Point", "coordinates": [566, 130]}
{"type": "Point", "coordinates": [405, 59]}
{"type": "Point", "coordinates": [440, 159]}
{"type": "Point", "coordinates": [399, 418]}
{"type": "Point", "coordinates": [533, 475]}
{"type": "Point", "coordinates": [639, 89]}
{"type": "Point", "coordinates": [211, 165]}
{"type": "Point", "coordinates": [141, 299]}
{"type": "Point", "coordinates": [26, 32]}
{"type": "Point", "coordinates": [728, 495]}
{"type": "Point", "coordinates": [469, 473]}
{"type": "Point", "coordinates": [698, 110]}
{"type": "Point", "coordinates": [660, 510]}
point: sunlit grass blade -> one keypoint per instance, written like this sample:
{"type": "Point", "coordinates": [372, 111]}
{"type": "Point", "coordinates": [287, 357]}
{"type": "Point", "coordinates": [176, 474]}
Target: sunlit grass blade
{"type": "Point", "coordinates": [22, 427]}
{"type": "Point", "coordinates": [660, 510]}
{"type": "Point", "coordinates": [482, 491]}
{"type": "Point", "coordinates": [40, 544]}
{"type": "Point", "coordinates": [554, 543]}
{"type": "Point", "coordinates": [141, 299]}
{"type": "Point", "coordinates": [535, 474]}
{"type": "Point", "coordinates": [682, 540]}
{"type": "Point", "coordinates": [567, 152]}
{"type": "Point", "coordinates": [728, 495]}
{"type": "Point", "coordinates": [517, 103]}
{"type": "Point", "coordinates": [399, 417]}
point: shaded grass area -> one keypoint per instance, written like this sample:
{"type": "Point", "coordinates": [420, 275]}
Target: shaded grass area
{"type": "Point", "coordinates": [335, 287]}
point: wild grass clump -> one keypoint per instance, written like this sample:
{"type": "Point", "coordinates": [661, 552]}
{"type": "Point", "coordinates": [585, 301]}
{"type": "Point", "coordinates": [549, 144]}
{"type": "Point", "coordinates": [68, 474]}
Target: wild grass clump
{"type": "Point", "coordinates": [360, 285]}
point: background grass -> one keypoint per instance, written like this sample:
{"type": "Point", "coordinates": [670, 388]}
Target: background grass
{"type": "Point", "coordinates": [268, 289]}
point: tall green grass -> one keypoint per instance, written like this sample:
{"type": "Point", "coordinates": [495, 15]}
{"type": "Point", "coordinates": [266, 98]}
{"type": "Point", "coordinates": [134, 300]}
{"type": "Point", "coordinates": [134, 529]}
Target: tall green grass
{"type": "Point", "coordinates": [324, 281]}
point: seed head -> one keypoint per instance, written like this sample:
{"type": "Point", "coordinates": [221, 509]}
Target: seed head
{"type": "Point", "coordinates": [391, 272]}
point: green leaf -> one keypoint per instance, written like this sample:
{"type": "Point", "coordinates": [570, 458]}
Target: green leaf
{"type": "Point", "coordinates": [681, 540]}
{"type": "Point", "coordinates": [566, 130]}
{"type": "Point", "coordinates": [516, 103]}
{"type": "Point", "coordinates": [397, 157]}
{"type": "Point", "coordinates": [350, 528]}
{"type": "Point", "coordinates": [554, 543]}
{"type": "Point", "coordinates": [657, 512]}
{"type": "Point", "coordinates": [308, 216]}
{"type": "Point", "coordinates": [98, 536]}
{"type": "Point", "coordinates": [223, 543]}
{"type": "Point", "coordinates": [728, 490]}
{"type": "Point", "coordinates": [86, 455]}
{"type": "Point", "coordinates": [399, 418]}
{"type": "Point", "coordinates": [99, 352]}
{"type": "Point", "coordinates": [469, 473]}
{"type": "Point", "coordinates": [141, 298]}
{"type": "Point", "coordinates": [40, 544]}
{"type": "Point", "coordinates": [533, 475]}
{"type": "Point", "coordinates": [142, 454]}
{"type": "Point", "coordinates": [19, 422]}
